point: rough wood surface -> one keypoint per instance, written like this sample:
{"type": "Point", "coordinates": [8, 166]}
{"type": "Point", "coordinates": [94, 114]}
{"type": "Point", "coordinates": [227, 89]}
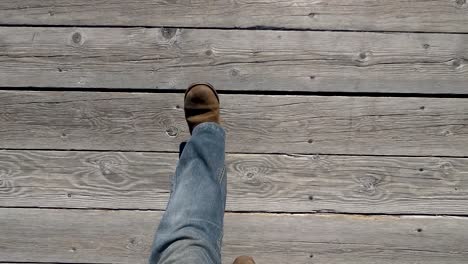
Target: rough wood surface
{"type": "Point", "coordinates": [275, 183]}
{"type": "Point", "coordinates": [233, 60]}
{"type": "Point", "coordinates": [400, 15]}
{"type": "Point", "coordinates": [125, 237]}
{"type": "Point", "coordinates": [254, 123]}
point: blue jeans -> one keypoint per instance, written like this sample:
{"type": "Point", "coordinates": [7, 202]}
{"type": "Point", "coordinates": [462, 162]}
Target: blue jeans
{"type": "Point", "coordinates": [191, 229]}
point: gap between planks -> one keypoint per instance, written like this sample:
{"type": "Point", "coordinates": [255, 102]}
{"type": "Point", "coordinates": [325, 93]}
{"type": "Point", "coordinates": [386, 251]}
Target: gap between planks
{"type": "Point", "coordinates": [240, 92]}
{"type": "Point", "coordinates": [263, 213]}
{"type": "Point", "coordinates": [253, 28]}
{"type": "Point", "coordinates": [289, 154]}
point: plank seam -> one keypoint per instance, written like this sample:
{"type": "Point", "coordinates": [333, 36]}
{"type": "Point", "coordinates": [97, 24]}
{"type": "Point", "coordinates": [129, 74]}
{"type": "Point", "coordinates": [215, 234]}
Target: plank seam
{"type": "Point", "coordinates": [255, 28]}
{"type": "Point", "coordinates": [240, 92]}
{"type": "Point", "coordinates": [262, 212]}
{"type": "Point", "coordinates": [237, 153]}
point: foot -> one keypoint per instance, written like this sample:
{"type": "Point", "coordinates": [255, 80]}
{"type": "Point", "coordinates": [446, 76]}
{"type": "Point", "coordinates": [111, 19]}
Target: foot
{"type": "Point", "coordinates": [201, 104]}
{"type": "Point", "coordinates": [244, 260]}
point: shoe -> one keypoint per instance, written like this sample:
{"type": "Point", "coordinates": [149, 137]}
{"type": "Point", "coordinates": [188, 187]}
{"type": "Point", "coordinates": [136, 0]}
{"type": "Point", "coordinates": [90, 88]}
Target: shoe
{"type": "Point", "coordinates": [201, 104]}
{"type": "Point", "coordinates": [244, 260]}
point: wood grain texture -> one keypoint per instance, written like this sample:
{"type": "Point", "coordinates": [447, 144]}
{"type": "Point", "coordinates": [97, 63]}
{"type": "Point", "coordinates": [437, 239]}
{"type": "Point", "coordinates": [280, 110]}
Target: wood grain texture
{"type": "Point", "coordinates": [254, 123]}
{"type": "Point", "coordinates": [234, 60]}
{"type": "Point", "coordinates": [126, 237]}
{"type": "Point", "coordinates": [400, 15]}
{"type": "Point", "coordinates": [272, 183]}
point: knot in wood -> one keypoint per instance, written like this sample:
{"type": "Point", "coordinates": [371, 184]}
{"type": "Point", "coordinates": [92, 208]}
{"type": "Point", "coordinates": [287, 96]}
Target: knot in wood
{"type": "Point", "coordinates": [105, 167]}
{"type": "Point", "coordinates": [369, 183]}
{"type": "Point", "coordinates": [107, 164]}
{"type": "Point", "coordinates": [136, 244]}
{"type": "Point", "coordinates": [168, 33]}
{"type": "Point", "coordinates": [76, 38]}
{"type": "Point", "coordinates": [446, 166]}
{"type": "Point", "coordinates": [6, 183]}
{"type": "Point", "coordinates": [460, 2]}
{"type": "Point", "coordinates": [447, 133]}
{"type": "Point", "coordinates": [363, 55]}
{"type": "Point", "coordinates": [456, 63]}
{"type": "Point", "coordinates": [172, 131]}
{"type": "Point", "coordinates": [234, 72]}
{"type": "Point", "coordinates": [6, 186]}
{"type": "Point", "coordinates": [4, 173]}
{"type": "Point", "coordinates": [250, 175]}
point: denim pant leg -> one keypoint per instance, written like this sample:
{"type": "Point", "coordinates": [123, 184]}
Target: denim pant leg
{"type": "Point", "coordinates": [191, 229]}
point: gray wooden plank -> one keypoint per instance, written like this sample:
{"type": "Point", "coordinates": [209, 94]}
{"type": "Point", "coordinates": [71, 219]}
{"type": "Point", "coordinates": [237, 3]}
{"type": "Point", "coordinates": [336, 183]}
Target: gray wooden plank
{"type": "Point", "coordinates": [254, 123]}
{"type": "Point", "coordinates": [400, 15]}
{"type": "Point", "coordinates": [233, 60]}
{"type": "Point", "coordinates": [125, 237]}
{"type": "Point", "coordinates": [274, 183]}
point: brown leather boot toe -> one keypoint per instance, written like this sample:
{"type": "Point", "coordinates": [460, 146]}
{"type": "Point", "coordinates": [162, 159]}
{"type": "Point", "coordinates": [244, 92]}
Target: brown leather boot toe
{"type": "Point", "coordinates": [244, 260]}
{"type": "Point", "coordinates": [201, 104]}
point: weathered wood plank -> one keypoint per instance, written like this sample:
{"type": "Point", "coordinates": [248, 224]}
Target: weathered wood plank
{"type": "Point", "coordinates": [400, 15]}
{"type": "Point", "coordinates": [125, 237]}
{"type": "Point", "coordinates": [275, 183]}
{"type": "Point", "coordinates": [233, 60]}
{"type": "Point", "coordinates": [254, 123]}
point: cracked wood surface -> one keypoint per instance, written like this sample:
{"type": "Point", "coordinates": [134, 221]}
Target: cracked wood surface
{"type": "Point", "coordinates": [109, 236]}
{"type": "Point", "coordinates": [274, 183]}
{"type": "Point", "coordinates": [263, 123]}
{"type": "Point", "coordinates": [234, 60]}
{"type": "Point", "coordinates": [377, 15]}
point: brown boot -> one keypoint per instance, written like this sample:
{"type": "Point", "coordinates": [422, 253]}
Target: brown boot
{"type": "Point", "coordinates": [201, 104]}
{"type": "Point", "coordinates": [244, 260]}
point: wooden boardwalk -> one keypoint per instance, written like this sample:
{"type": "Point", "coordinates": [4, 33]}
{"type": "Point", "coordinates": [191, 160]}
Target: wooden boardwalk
{"type": "Point", "coordinates": [347, 124]}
